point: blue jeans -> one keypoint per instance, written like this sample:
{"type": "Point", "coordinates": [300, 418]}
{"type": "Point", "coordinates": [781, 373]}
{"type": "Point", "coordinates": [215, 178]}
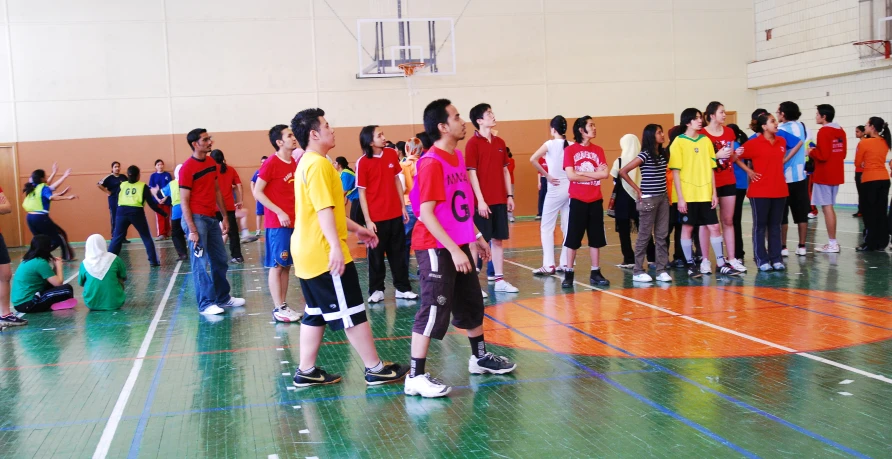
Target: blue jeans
{"type": "Point", "coordinates": [210, 288]}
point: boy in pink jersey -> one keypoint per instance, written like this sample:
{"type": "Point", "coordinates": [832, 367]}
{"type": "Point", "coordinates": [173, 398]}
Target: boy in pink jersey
{"type": "Point", "coordinates": [443, 200]}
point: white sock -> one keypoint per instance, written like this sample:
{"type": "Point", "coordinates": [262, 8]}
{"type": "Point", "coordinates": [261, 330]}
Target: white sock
{"type": "Point", "coordinates": [833, 242]}
{"type": "Point", "coordinates": [687, 248]}
{"type": "Point", "coordinates": [716, 243]}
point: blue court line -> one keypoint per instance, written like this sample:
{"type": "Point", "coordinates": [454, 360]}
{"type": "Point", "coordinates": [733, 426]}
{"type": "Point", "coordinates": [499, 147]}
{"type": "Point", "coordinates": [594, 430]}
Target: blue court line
{"type": "Point", "coordinates": [785, 290]}
{"type": "Point", "coordinates": [632, 393]}
{"type": "Point", "coordinates": [156, 378]}
{"type": "Point", "coordinates": [806, 309]}
{"type": "Point", "coordinates": [702, 387]}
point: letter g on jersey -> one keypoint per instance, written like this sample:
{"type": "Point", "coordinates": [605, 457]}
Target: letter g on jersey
{"type": "Point", "coordinates": [460, 210]}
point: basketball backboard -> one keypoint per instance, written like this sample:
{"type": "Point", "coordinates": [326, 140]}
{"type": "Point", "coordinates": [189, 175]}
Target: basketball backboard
{"type": "Point", "coordinates": [385, 43]}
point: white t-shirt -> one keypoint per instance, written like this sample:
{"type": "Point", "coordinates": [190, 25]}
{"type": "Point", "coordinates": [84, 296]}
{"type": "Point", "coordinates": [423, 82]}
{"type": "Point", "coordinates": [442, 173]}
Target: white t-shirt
{"type": "Point", "coordinates": [554, 158]}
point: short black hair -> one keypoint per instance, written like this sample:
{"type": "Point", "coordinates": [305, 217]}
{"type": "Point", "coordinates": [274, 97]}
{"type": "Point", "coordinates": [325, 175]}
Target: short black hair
{"type": "Point", "coordinates": [193, 136]}
{"type": "Point", "coordinates": [132, 174]}
{"type": "Point", "coordinates": [401, 148]}
{"type": "Point", "coordinates": [275, 133]}
{"type": "Point", "coordinates": [434, 114]}
{"type": "Point", "coordinates": [263, 158]}
{"type": "Point", "coordinates": [477, 112]}
{"type": "Point", "coordinates": [790, 110]}
{"type": "Point", "coordinates": [305, 121]}
{"type": "Point", "coordinates": [688, 115]}
{"type": "Point", "coordinates": [159, 161]}
{"type": "Point", "coordinates": [115, 162]}
{"type": "Point", "coordinates": [425, 140]}
{"type": "Point", "coordinates": [827, 111]}
{"type": "Point", "coordinates": [579, 126]}
{"type": "Point", "coordinates": [859, 127]}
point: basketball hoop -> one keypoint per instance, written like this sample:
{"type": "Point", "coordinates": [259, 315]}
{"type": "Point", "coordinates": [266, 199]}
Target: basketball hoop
{"type": "Point", "coordinates": [874, 48]}
{"type": "Point", "coordinates": [409, 69]}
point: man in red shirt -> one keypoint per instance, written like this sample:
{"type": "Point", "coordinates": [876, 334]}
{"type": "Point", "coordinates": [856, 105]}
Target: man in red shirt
{"type": "Point", "coordinates": [227, 180]}
{"type": "Point", "coordinates": [274, 189]}
{"type": "Point", "coordinates": [829, 156]}
{"type": "Point", "coordinates": [487, 162]}
{"type": "Point", "coordinates": [381, 197]}
{"type": "Point", "coordinates": [200, 199]}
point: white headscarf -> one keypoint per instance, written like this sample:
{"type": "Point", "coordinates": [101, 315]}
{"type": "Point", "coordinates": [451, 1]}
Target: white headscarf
{"type": "Point", "coordinates": [176, 172]}
{"type": "Point", "coordinates": [98, 260]}
{"type": "Point", "coordinates": [631, 147]}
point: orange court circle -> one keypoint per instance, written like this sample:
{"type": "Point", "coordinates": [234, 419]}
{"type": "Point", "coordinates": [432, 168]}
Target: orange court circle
{"type": "Point", "coordinates": [805, 320]}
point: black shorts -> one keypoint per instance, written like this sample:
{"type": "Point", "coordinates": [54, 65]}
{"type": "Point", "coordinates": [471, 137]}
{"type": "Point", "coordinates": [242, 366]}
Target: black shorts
{"type": "Point", "coordinates": [699, 214]}
{"type": "Point", "coordinates": [586, 218]}
{"type": "Point", "coordinates": [496, 226]}
{"type": "Point", "coordinates": [445, 291]}
{"type": "Point", "coordinates": [324, 295]}
{"type": "Point", "coordinates": [726, 190]}
{"type": "Point", "coordinates": [4, 252]}
{"type": "Point", "coordinates": [797, 202]}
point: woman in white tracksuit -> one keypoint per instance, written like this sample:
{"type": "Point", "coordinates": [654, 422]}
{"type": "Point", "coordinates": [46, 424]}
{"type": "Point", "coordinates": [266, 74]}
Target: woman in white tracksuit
{"type": "Point", "coordinates": [557, 198]}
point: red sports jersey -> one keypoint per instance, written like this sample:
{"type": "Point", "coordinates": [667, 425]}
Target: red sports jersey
{"type": "Point", "coordinates": [279, 178]}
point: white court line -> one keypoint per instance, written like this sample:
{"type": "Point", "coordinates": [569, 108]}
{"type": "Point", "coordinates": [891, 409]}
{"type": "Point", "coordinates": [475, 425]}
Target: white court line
{"type": "Point", "coordinates": [108, 434]}
{"type": "Point", "coordinates": [728, 330]}
{"type": "Point", "coordinates": [71, 278]}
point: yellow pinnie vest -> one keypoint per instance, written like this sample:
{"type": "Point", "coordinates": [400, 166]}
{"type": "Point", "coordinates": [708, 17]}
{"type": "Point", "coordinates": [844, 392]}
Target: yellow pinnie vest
{"type": "Point", "coordinates": [131, 194]}
{"type": "Point", "coordinates": [34, 201]}
{"type": "Point", "coordinates": [175, 192]}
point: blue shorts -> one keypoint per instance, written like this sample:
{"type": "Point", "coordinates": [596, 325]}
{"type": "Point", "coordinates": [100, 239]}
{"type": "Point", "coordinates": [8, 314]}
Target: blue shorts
{"type": "Point", "coordinates": [258, 208]}
{"type": "Point", "coordinates": [278, 247]}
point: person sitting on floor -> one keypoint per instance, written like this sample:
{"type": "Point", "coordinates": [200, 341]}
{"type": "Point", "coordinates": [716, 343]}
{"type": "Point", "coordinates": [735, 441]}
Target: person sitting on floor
{"type": "Point", "coordinates": [102, 276]}
{"type": "Point", "coordinates": [37, 285]}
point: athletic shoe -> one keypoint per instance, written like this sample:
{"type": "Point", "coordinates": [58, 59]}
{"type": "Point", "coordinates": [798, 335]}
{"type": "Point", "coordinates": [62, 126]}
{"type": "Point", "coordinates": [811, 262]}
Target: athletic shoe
{"type": "Point", "coordinates": [212, 310]}
{"type": "Point", "coordinates": [664, 277]}
{"type": "Point", "coordinates": [318, 377]}
{"type": "Point", "coordinates": [160, 238]}
{"type": "Point", "coordinates": [538, 217]}
{"type": "Point", "coordinates": [543, 271]}
{"type": "Point", "coordinates": [812, 215]}
{"type": "Point", "coordinates": [249, 239]}
{"type": "Point", "coordinates": [511, 219]}
{"type": "Point", "coordinates": [182, 257]}
{"type": "Point", "coordinates": [705, 267]}
{"type": "Point", "coordinates": [785, 252]}
{"type": "Point", "coordinates": [856, 215]}
{"type": "Point", "coordinates": [561, 269]}
{"type": "Point", "coordinates": [828, 248]}
{"type": "Point", "coordinates": [679, 264]}
{"type": "Point", "coordinates": [800, 251]}
{"type": "Point", "coordinates": [626, 265]}
{"type": "Point", "coordinates": [728, 270]}
{"type": "Point", "coordinates": [693, 272]}
{"type": "Point", "coordinates": [236, 261]}
{"type": "Point", "coordinates": [597, 279]}
{"type": "Point", "coordinates": [426, 386]}
{"type": "Point", "coordinates": [737, 264]}
{"type": "Point", "coordinates": [765, 267]}
{"type": "Point", "coordinates": [235, 302]}
{"type": "Point", "coordinates": [392, 372]}
{"type": "Point", "coordinates": [154, 265]}
{"type": "Point", "coordinates": [491, 278]}
{"type": "Point", "coordinates": [376, 297]}
{"type": "Point", "coordinates": [862, 248]}
{"type": "Point", "coordinates": [410, 295]}
{"type": "Point", "coordinates": [568, 279]}
{"type": "Point", "coordinates": [285, 314]}
{"type": "Point", "coordinates": [643, 277]}
{"type": "Point", "coordinates": [490, 363]}
{"type": "Point", "coordinates": [485, 295]}
{"type": "Point", "coordinates": [505, 287]}
{"type": "Point", "coordinates": [12, 320]}
{"type": "Point", "coordinates": [257, 233]}
{"type": "Point", "coordinates": [779, 267]}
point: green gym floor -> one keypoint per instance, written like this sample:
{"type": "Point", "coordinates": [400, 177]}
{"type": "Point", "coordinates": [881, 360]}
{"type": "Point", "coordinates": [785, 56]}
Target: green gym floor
{"type": "Point", "coordinates": [793, 364]}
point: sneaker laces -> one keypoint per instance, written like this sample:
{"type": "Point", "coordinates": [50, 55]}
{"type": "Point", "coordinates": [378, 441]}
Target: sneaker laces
{"type": "Point", "coordinates": [493, 357]}
{"type": "Point", "coordinates": [433, 380]}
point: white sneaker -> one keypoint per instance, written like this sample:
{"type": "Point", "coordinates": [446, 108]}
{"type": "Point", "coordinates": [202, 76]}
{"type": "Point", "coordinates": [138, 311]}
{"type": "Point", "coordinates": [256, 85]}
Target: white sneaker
{"type": "Point", "coordinates": [504, 286]}
{"type": "Point", "coordinates": [212, 310]}
{"type": "Point", "coordinates": [779, 267]}
{"type": "Point", "coordinates": [426, 386]}
{"type": "Point", "coordinates": [410, 295]}
{"type": "Point", "coordinates": [485, 295]}
{"type": "Point", "coordinates": [235, 302]}
{"type": "Point", "coordinates": [643, 277]}
{"type": "Point", "coordinates": [285, 314]}
{"type": "Point", "coordinates": [705, 267]}
{"type": "Point", "coordinates": [785, 253]}
{"type": "Point", "coordinates": [828, 248]}
{"type": "Point", "coordinates": [664, 277]}
{"type": "Point", "coordinates": [765, 267]}
{"type": "Point", "coordinates": [800, 251]}
{"type": "Point", "coordinates": [737, 264]}
{"type": "Point", "coordinates": [377, 297]}
{"type": "Point", "coordinates": [812, 215]}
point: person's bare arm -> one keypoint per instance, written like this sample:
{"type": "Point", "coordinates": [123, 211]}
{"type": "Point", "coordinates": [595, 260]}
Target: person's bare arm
{"type": "Point", "coordinates": [364, 205]}
{"type": "Point", "coordinates": [330, 231]}
{"type": "Point", "coordinates": [676, 180]}
{"type": "Point", "coordinates": [186, 207]}
{"type": "Point", "coordinates": [262, 198]}
{"type": "Point", "coordinates": [624, 173]}
{"type": "Point", "coordinates": [5, 206]}
{"type": "Point", "coordinates": [400, 191]}
{"type": "Point", "coordinates": [58, 279]}
{"type": "Point", "coordinates": [482, 207]}
{"type": "Point", "coordinates": [507, 178]}
{"type": "Point", "coordinates": [241, 196]}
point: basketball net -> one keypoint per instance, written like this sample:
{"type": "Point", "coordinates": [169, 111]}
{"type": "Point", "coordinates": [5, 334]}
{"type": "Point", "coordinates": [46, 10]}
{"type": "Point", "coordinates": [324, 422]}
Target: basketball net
{"type": "Point", "coordinates": [409, 69]}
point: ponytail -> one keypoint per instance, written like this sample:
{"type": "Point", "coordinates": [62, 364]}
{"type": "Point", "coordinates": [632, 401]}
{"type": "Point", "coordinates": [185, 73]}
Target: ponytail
{"type": "Point", "coordinates": [882, 129]}
{"type": "Point", "coordinates": [218, 157]}
{"type": "Point", "coordinates": [559, 124]}
{"type": "Point", "coordinates": [758, 122]}
{"type": "Point", "coordinates": [37, 177]}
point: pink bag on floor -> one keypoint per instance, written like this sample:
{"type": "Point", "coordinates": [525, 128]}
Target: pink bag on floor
{"type": "Point", "coordinates": [67, 304]}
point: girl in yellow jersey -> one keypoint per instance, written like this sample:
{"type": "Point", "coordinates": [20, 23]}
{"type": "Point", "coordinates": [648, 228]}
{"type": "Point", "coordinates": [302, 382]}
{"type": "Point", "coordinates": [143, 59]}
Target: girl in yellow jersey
{"type": "Point", "coordinates": [38, 194]}
{"type": "Point", "coordinates": [131, 200]}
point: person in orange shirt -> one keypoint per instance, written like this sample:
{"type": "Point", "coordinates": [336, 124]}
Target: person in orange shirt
{"type": "Point", "coordinates": [408, 158]}
{"type": "Point", "coordinates": [859, 134]}
{"type": "Point", "coordinates": [871, 157]}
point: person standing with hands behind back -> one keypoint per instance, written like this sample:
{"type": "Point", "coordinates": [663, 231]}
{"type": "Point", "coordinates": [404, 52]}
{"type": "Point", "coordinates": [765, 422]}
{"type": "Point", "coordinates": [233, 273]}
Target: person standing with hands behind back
{"type": "Point", "coordinates": [829, 156]}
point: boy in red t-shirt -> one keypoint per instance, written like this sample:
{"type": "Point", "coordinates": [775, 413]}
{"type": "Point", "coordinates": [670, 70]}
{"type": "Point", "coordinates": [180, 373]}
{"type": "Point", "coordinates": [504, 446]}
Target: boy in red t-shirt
{"type": "Point", "coordinates": [585, 165]}
{"type": "Point", "coordinates": [274, 190]}
{"type": "Point", "coordinates": [829, 156]}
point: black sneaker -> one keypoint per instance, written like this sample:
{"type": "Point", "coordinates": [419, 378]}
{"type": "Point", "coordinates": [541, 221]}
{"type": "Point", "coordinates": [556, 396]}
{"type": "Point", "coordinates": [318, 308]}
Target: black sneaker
{"type": "Point", "coordinates": [317, 378]}
{"type": "Point", "coordinates": [597, 279]}
{"type": "Point", "coordinates": [694, 271]}
{"type": "Point", "coordinates": [392, 372]}
{"type": "Point", "coordinates": [12, 320]}
{"type": "Point", "coordinates": [237, 261]}
{"type": "Point", "coordinates": [568, 280]}
{"type": "Point", "coordinates": [679, 264]}
{"type": "Point", "coordinates": [490, 363]}
{"type": "Point", "coordinates": [728, 270]}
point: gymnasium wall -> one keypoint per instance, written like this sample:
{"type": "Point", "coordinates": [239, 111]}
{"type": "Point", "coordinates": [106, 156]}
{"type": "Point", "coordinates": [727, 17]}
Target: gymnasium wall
{"type": "Point", "coordinates": [84, 83]}
{"type": "Point", "coordinates": [811, 60]}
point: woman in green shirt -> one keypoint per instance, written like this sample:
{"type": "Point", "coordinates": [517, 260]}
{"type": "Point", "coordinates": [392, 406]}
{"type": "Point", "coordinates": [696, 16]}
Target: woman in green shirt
{"type": "Point", "coordinates": [37, 285]}
{"type": "Point", "coordinates": [102, 276]}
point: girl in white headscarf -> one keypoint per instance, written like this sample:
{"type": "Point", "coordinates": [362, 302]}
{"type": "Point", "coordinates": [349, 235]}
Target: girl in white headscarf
{"type": "Point", "coordinates": [626, 197]}
{"type": "Point", "coordinates": [102, 276]}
